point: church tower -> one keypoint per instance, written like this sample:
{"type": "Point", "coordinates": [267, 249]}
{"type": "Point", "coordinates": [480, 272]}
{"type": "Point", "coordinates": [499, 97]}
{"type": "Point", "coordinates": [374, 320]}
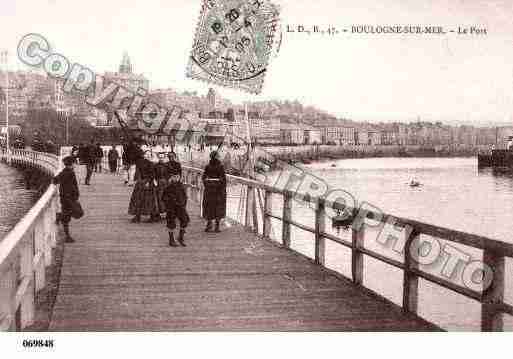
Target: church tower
{"type": "Point", "coordinates": [126, 65]}
{"type": "Point", "coordinates": [212, 99]}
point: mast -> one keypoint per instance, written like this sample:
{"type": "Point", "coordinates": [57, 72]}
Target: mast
{"type": "Point", "coordinates": [250, 149]}
{"type": "Point", "coordinates": [5, 60]}
{"type": "Point", "coordinates": [251, 194]}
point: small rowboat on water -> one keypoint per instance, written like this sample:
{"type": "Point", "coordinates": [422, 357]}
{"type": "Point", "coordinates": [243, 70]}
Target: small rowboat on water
{"type": "Point", "coordinates": [414, 183]}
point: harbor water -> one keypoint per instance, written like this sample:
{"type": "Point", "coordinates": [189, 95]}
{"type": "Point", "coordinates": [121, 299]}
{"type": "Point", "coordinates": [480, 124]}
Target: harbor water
{"type": "Point", "coordinates": [15, 198]}
{"type": "Point", "coordinates": [453, 194]}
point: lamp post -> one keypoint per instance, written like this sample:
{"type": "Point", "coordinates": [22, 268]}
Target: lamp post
{"type": "Point", "coordinates": [5, 61]}
{"type": "Point", "coordinates": [67, 129]}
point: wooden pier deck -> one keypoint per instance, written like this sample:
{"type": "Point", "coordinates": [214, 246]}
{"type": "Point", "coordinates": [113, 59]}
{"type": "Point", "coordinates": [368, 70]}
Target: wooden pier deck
{"type": "Point", "coordinates": [120, 276]}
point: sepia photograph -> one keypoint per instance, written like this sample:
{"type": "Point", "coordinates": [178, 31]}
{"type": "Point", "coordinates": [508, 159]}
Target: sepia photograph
{"type": "Point", "coordinates": [209, 171]}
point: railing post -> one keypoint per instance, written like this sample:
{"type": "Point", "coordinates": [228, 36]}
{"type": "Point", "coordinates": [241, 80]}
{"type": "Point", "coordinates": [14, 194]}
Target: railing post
{"type": "Point", "coordinates": [27, 303]}
{"type": "Point", "coordinates": [357, 256]}
{"type": "Point", "coordinates": [254, 209]}
{"type": "Point", "coordinates": [287, 216]}
{"type": "Point", "coordinates": [320, 241]}
{"type": "Point", "coordinates": [268, 208]}
{"type": "Point", "coordinates": [491, 319]}
{"type": "Point", "coordinates": [249, 207]}
{"type": "Point", "coordinates": [410, 280]}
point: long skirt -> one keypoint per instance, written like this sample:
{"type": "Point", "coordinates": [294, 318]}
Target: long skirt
{"type": "Point", "coordinates": [144, 200]}
{"type": "Point", "coordinates": [214, 201]}
{"type": "Point", "coordinates": [161, 186]}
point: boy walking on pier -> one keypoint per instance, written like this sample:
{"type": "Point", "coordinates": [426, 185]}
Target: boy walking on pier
{"type": "Point", "coordinates": [175, 200]}
{"type": "Point", "coordinates": [69, 194]}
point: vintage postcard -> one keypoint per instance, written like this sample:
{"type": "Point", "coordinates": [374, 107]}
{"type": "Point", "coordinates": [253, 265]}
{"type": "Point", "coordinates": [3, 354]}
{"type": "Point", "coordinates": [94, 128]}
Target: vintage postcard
{"type": "Point", "coordinates": [169, 168]}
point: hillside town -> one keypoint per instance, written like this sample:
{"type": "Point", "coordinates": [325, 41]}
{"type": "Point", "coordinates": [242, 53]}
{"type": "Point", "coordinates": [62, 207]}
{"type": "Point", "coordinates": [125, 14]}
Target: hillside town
{"type": "Point", "coordinates": [272, 122]}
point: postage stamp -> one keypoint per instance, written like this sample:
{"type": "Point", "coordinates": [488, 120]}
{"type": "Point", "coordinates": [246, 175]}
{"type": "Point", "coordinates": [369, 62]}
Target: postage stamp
{"type": "Point", "coordinates": [233, 43]}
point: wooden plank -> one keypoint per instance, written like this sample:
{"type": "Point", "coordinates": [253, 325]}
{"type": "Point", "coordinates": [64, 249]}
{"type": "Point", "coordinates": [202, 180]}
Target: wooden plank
{"type": "Point", "coordinates": [268, 208]}
{"type": "Point", "coordinates": [254, 210]}
{"type": "Point", "coordinates": [356, 255]}
{"type": "Point", "coordinates": [382, 258]}
{"type": "Point", "coordinates": [128, 278]}
{"type": "Point", "coordinates": [447, 285]}
{"type": "Point", "coordinates": [410, 279]}
{"type": "Point", "coordinates": [301, 226]}
{"type": "Point", "coordinates": [491, 319]}
{"type": "Point", "coordinates": [249, 205]}
{"type": "Point", "coordinates": [337, 240]}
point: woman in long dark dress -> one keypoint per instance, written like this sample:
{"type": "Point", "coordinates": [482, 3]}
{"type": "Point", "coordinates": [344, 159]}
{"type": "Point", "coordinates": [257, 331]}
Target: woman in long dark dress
{"type": "Point", "coordinates": [214, 198]}
{"type": "Point", "coordinates": [144, 197]}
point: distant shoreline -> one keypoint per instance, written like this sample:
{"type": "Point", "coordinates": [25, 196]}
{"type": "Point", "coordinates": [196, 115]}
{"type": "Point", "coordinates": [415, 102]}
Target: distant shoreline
{"type": "Point", "coordinates": [308, 157]}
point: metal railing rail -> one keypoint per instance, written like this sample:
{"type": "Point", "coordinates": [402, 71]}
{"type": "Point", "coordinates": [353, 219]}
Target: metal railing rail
{"type": "Point", "coordinates": [26, 250]}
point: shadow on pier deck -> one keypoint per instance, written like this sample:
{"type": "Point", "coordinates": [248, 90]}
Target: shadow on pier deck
{"type": "Point", "coordinates": [120, 276]}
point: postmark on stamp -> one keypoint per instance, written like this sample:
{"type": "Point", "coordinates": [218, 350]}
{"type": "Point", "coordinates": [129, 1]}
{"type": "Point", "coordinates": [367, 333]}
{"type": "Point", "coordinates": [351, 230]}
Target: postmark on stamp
{"type": "Point", "coordinates": [233, 43]}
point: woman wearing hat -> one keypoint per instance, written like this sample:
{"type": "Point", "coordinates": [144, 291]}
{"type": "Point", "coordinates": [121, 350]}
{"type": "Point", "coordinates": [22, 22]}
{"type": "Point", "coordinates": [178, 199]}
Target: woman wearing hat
{"type": "Point", "coordinates": [214, 198]}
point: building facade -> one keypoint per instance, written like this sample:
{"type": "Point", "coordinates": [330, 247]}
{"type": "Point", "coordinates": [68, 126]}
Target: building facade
{"type": "Point", "coordinates": [292, 134]}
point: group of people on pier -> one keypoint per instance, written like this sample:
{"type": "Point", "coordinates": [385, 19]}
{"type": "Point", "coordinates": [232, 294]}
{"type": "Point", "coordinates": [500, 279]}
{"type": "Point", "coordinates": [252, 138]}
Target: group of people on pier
{"type": "Point", "coordinates": [91, 156]}
{"type": "Point", "coordinates": [158, 188]}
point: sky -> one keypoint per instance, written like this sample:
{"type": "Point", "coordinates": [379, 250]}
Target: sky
{"type": "Point", "coordinates": [387, 77]}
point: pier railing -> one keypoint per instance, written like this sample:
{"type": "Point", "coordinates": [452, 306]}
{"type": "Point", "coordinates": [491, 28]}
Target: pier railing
{"type": "Point", "coordinates": [26, 251]}
{"type": "Point", "coordinates": [258, 218]}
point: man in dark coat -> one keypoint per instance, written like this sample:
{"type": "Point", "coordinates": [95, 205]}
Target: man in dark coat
{"type": "Point", "coordinates": [98, 157]}
{"type": "Point", "coordinates": [132, 152]}
{"type": "Point", "coordinates": [82, 153]}
{"type": "Point", "coordinates": [90, 160]}
{"type": "Point", "coordinates": [214, 198]}
{"type": "Point", "coordinates": [69, 194]}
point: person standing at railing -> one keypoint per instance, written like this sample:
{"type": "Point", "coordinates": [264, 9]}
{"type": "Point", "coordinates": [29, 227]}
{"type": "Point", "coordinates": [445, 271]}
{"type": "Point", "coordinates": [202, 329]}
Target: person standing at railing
{"type": "Point", "coordinates": [214, 198]}
{"type": "Point", "coordinates": [69, 194]}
